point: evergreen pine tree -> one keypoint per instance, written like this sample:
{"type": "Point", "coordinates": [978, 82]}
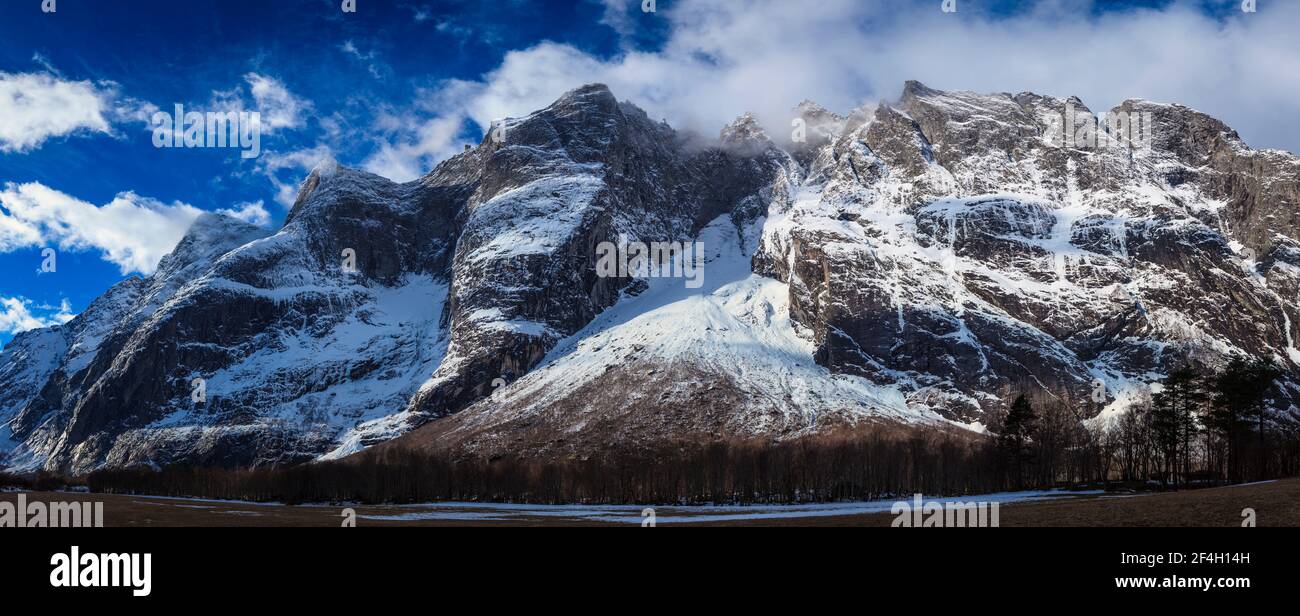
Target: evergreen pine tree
{"type": "Point", "coordinates": [1174, 413]}
{"type": "Point", "coordinates": [1017, 429]}
{"type": "Point", "coordinates": [1239, 393]}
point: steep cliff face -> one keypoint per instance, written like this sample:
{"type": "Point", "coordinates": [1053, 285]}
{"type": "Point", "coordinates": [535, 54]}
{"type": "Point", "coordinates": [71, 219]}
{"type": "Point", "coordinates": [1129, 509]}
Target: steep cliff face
{"type": "Point", "coordinates": [556, 184]}
{"type": "Point", "coordinates": [953, 244]}
{"type": "Point", "coordinates": [247, 347]}
{"type": "Point", "coordinates": [914, 262]}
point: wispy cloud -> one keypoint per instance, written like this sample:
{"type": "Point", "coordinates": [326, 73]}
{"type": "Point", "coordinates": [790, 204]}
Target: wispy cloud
{"type": "Point", "coordinates": [618, 15]}
{"type": "Point", "coordinates": [18, 315]}
{"type": "Point", "coordinates": [420, 13]}
{"type": "Point", "coordinates": [369, 59]}
{"type": "Point", "coordinates": [723, 58]}
{"type": "Point", "coordinates": [280, 109]}
{"type": "Point", "coordinates": [285, 170]}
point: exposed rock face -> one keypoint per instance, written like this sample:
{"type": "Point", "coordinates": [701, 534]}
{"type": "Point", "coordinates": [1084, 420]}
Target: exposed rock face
{"type": "Point", "coordinates": [555, 185]}
{"type": "Point", "coordinates": [918, 261]}
{"type": "Point", "coordinates": [952, 243]}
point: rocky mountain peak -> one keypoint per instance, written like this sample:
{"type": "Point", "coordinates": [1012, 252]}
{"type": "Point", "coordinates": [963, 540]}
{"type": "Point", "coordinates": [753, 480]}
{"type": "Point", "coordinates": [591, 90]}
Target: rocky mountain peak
{"type": "Point", "coordinates": [815, 113]}
{"type": "Point", "coordinates": [915, 89]}
{"type": "Point", "coordinates": [820, 126]}
{"type": "Point", "coordinates": [597, 96]}
{"type": "Point", "coordinates": [209, 236]}
{"type": "Point", "coordinates": [745, 134]}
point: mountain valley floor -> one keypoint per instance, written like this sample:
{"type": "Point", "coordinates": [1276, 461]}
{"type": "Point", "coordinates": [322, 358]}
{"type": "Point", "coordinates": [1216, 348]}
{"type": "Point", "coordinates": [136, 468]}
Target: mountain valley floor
{"type": "Point", "coordinates": [1273, 501]}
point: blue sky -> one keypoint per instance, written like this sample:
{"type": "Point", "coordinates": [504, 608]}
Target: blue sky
{"type": "Point", "coordinates": [399, 85]}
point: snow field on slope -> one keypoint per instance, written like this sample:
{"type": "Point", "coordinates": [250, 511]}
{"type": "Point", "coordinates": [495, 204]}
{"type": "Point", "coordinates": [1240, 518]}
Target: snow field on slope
{"type": "Point", "coordinates": [736, 325]}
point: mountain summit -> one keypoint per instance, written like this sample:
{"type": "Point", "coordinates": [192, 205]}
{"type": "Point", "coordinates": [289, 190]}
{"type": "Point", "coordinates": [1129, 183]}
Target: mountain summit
{"type": "Point", "coordinates": [918, 262]}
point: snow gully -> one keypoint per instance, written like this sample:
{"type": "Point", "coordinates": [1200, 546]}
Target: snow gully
{"type": "Point", "coordinates": [626, 259]}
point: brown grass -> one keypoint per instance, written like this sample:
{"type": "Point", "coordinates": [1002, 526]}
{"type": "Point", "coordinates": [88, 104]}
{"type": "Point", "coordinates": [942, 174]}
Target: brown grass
{"type": "Point", "coordinates": [1274, 503]}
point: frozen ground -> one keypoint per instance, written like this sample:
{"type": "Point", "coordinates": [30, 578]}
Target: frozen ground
{"type": "Point", "coordinates": [632, 514]}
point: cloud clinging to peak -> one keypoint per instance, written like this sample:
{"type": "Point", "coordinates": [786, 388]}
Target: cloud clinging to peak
{"type": "Point", "coordinates": [722, 58]}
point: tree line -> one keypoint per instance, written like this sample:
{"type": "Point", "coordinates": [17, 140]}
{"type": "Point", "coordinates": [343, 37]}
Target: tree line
{"type": "Point", "coordinates": [805, 470]}
{"type": "Point", "coordinates": [1211, 427]}
{"type": "Point", "coordinates": [1197, 429]}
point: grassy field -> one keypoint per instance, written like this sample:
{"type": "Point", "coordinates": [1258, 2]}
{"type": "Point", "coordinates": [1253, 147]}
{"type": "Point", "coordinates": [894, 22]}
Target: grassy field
{"type": "Point", "coordinates": [1275, 504]}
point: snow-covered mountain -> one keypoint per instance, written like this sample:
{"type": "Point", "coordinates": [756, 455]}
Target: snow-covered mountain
{"type": "Point", "coordinates": [919, 262]}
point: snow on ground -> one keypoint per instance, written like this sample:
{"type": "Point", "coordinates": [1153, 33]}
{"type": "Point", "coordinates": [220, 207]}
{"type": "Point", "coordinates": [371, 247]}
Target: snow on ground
{"type": "Point", "coordinates": [632, 514]}
{"type": "Point", "coordinates": [212, 500]}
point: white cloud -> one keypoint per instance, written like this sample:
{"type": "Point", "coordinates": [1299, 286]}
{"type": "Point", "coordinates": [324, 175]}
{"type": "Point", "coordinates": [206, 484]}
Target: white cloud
{"type": "Point", "coordinates": [16, 233]}
{"type": "Point", "coordinates": [368, 58]}
{"type": "Point", "coordinates": [133, 232]}
{"type": "Point", "coordinates": [722, 58]}
{"type": "Point", "coordinates": [286, 170]}
{"type": "Point", "coordinates": [618, 15]}
{"type": "Point", "coordinates": [412, 141]}
{"type": "Point", "coordinates": [45, 63]}
{"type": "Point", "coordinates": [408, 159]}
{"type": "Point", "coordinates": [279, 108]}
{"type": "Point", "coordinates": [17, 316]}
{"type": "Point", "coordinates": [37, 106]}
{"type": "Point", "coordinates": [252, 213]}
{"type": "Point", "coordinates": [420, 13]}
